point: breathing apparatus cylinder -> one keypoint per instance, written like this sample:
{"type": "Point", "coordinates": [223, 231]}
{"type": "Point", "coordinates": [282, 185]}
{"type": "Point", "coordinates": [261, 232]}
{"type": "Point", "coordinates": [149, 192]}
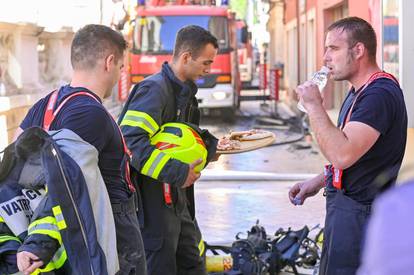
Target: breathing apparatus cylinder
{"type": "Point", "coordinates": [219, 263]}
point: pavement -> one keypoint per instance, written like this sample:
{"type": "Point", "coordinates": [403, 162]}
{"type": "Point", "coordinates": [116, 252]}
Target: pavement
{"type": "Point", "coordinates": [240, 189]}
{"type": "Point", "coordinates": [227, 208]}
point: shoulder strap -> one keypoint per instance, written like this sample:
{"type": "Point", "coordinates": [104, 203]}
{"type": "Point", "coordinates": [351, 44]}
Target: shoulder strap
{"type": "Point", "coordinates": [51, 114]}
{"type": "Point", "coordinates": [373, 77]}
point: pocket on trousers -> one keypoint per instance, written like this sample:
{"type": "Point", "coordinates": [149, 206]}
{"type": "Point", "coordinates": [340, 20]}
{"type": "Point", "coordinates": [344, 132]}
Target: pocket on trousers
{"type": "Point", "coordinates": [153, 244]}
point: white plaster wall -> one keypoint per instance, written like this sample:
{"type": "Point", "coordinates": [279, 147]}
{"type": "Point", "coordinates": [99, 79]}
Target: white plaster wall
{"type": "Point", "coordinates": [291, 55]}
{"type": "Point", "coordinates": [58, 19]}
{"type": "Point", "coordinates": [67, 66]}
{"type": "Point", "coordinates": [54, 60]}
{"type": "Point", "coordinates": [13, 67]}
{"type": "Point", "coordinates": [20, 55]}
{"type": "Point", "coordinates": [28, 60]}
{"type": "Point", "coordinates": [55, 14]}
{"type": "Point", "coordinates": [276, 31]}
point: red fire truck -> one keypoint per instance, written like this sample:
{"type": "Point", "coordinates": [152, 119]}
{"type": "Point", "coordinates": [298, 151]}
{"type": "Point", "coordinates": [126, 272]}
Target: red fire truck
{"type": "Point", "coordinates": [152, 39]}
{"type": "Point", "coordinates": [245, 53]}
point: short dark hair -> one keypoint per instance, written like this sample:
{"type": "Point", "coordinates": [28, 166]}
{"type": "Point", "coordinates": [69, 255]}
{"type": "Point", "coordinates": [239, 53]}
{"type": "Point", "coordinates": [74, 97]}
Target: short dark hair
{"type": "Point", "coordinates": [358, 30]}
{"type": "Point", "coordinates": [193, 39]}
{"type": "Point", "coordinates": [93, 42]}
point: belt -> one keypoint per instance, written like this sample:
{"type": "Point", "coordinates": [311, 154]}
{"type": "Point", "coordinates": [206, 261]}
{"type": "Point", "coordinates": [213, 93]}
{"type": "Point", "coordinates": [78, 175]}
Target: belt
{"type": "Point", "coordinates": [124, 207]}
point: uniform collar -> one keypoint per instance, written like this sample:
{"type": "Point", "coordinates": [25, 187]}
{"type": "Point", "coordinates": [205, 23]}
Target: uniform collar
{"type": "Point", "coordinates": [68, 90]}
{"type": "Point", "coordinates": [187, 87]}
{"type": "Point", "coordinates": [355, 92]}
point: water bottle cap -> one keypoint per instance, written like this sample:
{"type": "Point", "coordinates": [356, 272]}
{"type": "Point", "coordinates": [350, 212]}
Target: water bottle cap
{"type": "Point", "coordinates": [297, 201]}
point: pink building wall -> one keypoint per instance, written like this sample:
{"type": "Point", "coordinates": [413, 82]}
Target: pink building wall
{"type": "Point", "coordinates": [369, 10]}
{"type": "Point", "coordinates": [290, 12]}
{"type": "Point", "coordinates": [328, 11]}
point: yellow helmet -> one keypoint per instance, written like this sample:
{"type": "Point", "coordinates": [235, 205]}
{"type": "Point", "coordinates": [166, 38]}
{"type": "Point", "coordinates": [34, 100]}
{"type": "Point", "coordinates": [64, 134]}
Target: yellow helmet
{"type": "Point", "coordinates": [182, 142]}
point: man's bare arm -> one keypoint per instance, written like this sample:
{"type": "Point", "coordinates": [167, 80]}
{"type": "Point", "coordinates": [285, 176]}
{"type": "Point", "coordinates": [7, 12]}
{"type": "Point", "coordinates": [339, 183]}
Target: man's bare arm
{"type": "Point", "coordinates": [341, 148]}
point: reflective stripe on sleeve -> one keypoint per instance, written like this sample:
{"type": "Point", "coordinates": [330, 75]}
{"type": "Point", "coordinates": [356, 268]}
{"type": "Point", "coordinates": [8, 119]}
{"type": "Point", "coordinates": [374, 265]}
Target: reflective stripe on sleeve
{"type": "Point", "coordinates": [57, 262]}
{"type": "Point", "coordinates": [45, 226]}
{"type": "Point", "coordinates": [155, 164]}
{"type": "Point", "coordinates": [141, 120]}
{"type": "Point", "coordinates": [60, 257]}
{"type": "Point", "coordinates": [60, 220]}
{"type": "Point", "coordinates": [6, 238]}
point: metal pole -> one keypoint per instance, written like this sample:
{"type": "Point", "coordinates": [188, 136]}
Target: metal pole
{"type": "Point", "coordinates": [100, 12]}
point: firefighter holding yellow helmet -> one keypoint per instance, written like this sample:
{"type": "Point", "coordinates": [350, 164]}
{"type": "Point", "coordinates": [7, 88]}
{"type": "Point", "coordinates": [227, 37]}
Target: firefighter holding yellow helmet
{"type": "Point", "coordinates": [165, 173]}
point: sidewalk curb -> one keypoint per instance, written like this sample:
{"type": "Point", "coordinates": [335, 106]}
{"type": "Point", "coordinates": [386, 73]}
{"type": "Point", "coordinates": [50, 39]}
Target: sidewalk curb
{"type": "Point", "coordinates": [231, 175]}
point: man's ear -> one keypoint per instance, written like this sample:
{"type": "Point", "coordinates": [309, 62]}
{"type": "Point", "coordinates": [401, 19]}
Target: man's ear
{"type": "Point", "coordinates": [359, 50]}
{"type": "Point", "coordinates": [109, 62]}
{"type": "Point", "coordinates": [186, 56]}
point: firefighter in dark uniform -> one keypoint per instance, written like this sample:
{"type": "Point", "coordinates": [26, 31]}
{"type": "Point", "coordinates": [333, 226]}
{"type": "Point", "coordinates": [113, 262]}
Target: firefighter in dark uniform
{"type": "Point", "coordinates": [172, 240]}
{"type": "Point", "coordinates": [97, 55]}
{"type": "Point", "coordinates": [369, 139]}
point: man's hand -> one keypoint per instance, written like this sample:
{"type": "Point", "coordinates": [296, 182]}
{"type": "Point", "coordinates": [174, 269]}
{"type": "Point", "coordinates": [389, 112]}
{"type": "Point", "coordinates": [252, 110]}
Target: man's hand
{"type": "Point", "coordinates": [299, 192]}
{"type": "Point", "coordinates": [215, 158]}
{"type": "Point", "coordinates": [28, 262]}
{"type": "Point", "coordinates": [192, 175]}
{"type": "Point", "coordinates": [309, 94]}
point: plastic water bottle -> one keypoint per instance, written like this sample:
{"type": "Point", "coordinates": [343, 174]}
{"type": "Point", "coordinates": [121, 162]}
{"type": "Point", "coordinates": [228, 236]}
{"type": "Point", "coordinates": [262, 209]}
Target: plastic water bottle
{"type": "Point", "coordinates": [319, 78]}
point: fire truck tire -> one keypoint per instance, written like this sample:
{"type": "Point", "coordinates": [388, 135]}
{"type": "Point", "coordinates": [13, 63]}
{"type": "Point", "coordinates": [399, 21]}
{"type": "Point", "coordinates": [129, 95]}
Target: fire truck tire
{"type": "Point", "coordinates": [228, 114]}
{"type": "Point", "coordinates": [236, 102]}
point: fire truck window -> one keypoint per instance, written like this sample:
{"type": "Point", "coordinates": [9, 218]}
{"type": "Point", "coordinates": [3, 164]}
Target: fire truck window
{"type": "Point", "coordinates": [156, 34]}
{"type": "Point", "coordinates": [218, 27]}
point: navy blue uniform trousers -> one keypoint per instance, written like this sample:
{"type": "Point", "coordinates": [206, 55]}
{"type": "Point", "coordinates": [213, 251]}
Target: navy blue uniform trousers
{"type": "Point", "coordinates": [129, 241]}
{"type": "Point", "coordinates": [345, 224]}
{"type": "Point", "coordinates": [175, 251]}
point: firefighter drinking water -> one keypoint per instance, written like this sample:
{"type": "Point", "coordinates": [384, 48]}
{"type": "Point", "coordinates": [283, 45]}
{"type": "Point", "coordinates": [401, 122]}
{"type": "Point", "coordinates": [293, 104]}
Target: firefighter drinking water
{"type": "Point", "coordinates": [370, 138]}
